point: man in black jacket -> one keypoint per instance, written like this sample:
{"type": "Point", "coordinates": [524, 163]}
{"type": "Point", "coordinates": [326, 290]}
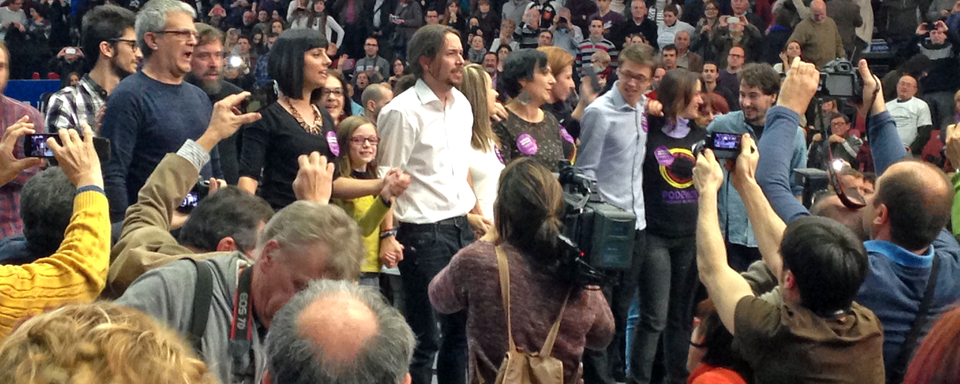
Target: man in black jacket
{"type": "Point", "coordinates": [638, 23]}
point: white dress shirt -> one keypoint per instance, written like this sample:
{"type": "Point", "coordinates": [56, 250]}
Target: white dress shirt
{"type": "Point", "coordinates": [432, 144]}
{"type": "Point", "coordinates": [485, 168]}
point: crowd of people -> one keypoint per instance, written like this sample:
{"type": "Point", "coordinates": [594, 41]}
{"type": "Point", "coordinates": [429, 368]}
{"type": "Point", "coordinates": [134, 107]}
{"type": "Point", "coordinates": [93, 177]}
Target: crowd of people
{"type": "Point", "coordinates": [346, 191]}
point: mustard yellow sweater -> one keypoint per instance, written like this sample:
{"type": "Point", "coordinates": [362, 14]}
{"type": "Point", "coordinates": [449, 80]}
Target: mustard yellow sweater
{"type": "Point", "coordinates": [76, 272]}
{"type": "Point", "coordinates": [368, 211]}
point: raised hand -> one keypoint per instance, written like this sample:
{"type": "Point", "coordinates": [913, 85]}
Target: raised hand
{"type": "Point", "coordinates": [10, 166]}
{"type": "Point", "coordinates": [799, 86]}
{"type": "Point", "coordinates": [314, 180]}
{"type": "Point", "coordinates": [707, 174]}
{"type": "Point", "coordinates": [77, 157]}
{"type": "Point", "coordinates": [226, 120]}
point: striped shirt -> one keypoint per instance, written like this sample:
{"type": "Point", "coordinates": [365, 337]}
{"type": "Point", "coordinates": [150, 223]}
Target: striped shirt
{"type": "Point", "coordinates": [588, 47]}
{"type": "Point", "coordinates": [72, 106]}
{"type": "Point", "coordinates": [10, 111]}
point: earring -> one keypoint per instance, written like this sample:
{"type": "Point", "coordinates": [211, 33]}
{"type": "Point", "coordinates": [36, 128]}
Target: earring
{"type": "Point", "coordinates": [524, 98]}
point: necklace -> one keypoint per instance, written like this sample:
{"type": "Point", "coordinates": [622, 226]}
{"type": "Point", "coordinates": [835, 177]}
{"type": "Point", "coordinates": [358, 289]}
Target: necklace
{"type": "Point", "coordinates": [314, 128]}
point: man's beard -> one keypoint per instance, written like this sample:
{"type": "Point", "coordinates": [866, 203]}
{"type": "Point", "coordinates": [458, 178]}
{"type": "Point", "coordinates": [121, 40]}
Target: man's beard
{"type": "Point", "coordinates": [119, 70]}
{"type": "Point", "coordinates": [209, 87]}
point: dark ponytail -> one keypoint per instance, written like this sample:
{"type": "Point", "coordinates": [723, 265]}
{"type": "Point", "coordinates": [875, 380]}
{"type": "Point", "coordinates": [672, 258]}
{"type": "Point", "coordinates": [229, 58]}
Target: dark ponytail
{"type": "Point", "coordinates": [527, 213]}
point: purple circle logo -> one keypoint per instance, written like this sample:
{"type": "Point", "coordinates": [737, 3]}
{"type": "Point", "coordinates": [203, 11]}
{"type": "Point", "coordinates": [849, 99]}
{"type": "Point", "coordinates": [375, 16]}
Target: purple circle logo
{"type": "Point", "coordinates": [527, 144]}
{"type": "Point", "coordinates": [566, 135]}
{"type": "Point", "coordinates": [496, 150]}
{"type": "Point", "coordinates": [333, 144]}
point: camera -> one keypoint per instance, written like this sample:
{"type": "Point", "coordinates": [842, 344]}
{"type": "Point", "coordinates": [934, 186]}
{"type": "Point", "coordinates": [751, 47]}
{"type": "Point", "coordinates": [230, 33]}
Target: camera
{"type": "Point", "coordinates": [840, 79]}
{"type": "Point", "coordinates": [724, 145]}
{"type": "Point", "coordinates": [598, 235]}
{"type": "Point", "coordinates": [199, 191]}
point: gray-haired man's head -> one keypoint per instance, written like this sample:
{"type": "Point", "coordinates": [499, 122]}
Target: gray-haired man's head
{"type": "Point", "coordinates": [339, 332]}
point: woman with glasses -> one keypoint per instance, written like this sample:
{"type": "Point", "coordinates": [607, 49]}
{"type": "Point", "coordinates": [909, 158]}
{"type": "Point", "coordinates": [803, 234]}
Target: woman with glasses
{"type": "Point", "coordinates": [293, 125]}
{"type": "Point", "coordinates": [668, 271]}
{"type": "Point", "coordinates": [706, 28]}
{"type": "Point", "coordinates": [528, 83]}
{"type": "Point", "coordinates": [334, 97]}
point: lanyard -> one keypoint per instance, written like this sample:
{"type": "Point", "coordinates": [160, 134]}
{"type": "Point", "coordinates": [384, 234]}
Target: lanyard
{"type": "Point", "coordinates": [242, 321]}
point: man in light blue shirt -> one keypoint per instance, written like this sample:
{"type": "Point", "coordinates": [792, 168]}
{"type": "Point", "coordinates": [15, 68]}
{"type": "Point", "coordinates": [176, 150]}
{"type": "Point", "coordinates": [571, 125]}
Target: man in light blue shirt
{"type": "Point", "coordinates": [612, 147]}
{"type": "Point", "coordinates": [759, 89]}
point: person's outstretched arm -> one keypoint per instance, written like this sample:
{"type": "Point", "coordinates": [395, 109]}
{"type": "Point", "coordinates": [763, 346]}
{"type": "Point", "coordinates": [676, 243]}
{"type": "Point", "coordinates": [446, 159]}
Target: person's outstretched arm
{"type": "Point", "coordinates": [77, 271]}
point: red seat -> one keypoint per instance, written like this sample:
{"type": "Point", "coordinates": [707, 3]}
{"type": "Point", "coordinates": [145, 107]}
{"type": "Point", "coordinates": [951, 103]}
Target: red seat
{"type": "Point", "coordinates": [53, 76]}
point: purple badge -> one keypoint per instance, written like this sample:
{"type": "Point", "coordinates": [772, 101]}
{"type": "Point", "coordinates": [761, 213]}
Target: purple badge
{"type": "Point", "coordinates": [643, 123]}
{"type": "Point", "coordinates": [333, 144]}
{"type": "Point", "coordinates": [566, 135]}
{"type": "Point", "coordinates": [527, 145]}
{"type": "Point", "coordinates": [499, 155]}
{"type": "Point", "coordinates": [663, 155]}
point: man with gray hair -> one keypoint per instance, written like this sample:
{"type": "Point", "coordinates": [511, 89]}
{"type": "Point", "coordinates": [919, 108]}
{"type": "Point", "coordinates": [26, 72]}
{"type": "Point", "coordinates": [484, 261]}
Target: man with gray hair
{"type": "Point", "coordinates": [373, 99]}
{"type": "Point", "coordinates": [152, 112]}
{"type": "Point", "coordinates": [225, 304]}
{"type": "Point", "coordinates": [339, 332]}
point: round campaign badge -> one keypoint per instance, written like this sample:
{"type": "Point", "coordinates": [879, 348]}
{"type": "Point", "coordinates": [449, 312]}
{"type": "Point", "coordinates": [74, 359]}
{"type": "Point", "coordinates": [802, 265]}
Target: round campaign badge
{"type": "Point", "coordinates": [527, 144]}
{"type": "Point", "coordinates": [566, 135]}
{"type": "Point", "coordinates": [333, 144]}
{"type": "Point", "coordinates": [663, 155]}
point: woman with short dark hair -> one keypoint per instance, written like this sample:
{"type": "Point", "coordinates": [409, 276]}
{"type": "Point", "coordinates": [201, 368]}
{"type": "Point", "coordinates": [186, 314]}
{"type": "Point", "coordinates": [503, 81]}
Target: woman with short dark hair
{"type": "Point", "coordinates": [293, 125]}
{"type": "Point", "coordinates": [668, 270]}
{"type": "Point", "coordinates": [528, 82]}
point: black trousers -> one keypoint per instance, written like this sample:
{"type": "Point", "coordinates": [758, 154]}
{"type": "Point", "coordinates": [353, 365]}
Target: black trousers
{"type": "Point", "coordinates": [427, 250]}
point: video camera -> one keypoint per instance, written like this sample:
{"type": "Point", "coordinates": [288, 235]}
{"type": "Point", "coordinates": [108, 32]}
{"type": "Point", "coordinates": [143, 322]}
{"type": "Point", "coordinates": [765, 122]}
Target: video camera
{"type": "Point", "coordinates": [840, 79]}
{"type": "Point", "coordinates": [596, 235]}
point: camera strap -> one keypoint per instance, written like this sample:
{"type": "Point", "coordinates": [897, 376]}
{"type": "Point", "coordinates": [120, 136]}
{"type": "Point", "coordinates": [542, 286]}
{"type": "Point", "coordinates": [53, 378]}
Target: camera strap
{"type": "Point", "coordinates": [241, 327]}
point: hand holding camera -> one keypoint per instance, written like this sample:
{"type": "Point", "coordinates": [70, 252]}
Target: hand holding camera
{"type": "Point", "coordinates": [10, 166]}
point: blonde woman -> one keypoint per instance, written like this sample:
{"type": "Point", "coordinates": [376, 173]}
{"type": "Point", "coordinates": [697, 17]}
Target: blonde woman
{"type": "Point", "coordinates": [99, 343]}
{"type": "Point", "coordinates": [485, 161]}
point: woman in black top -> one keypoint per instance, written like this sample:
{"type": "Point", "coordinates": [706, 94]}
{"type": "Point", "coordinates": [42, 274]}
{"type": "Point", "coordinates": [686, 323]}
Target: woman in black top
{"type": "Point", "coordinates": [528, 130]}
{"type": "Point", "coordinates": [294, 125]}
{"type": "Point", "coordinates": [668, 273]}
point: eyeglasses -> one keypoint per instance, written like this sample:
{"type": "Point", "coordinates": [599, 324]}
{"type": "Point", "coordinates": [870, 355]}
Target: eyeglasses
{"type": "Point", "coordinates": [182, 34]}
{"type": "Point", "coordinates": [335, 92]}
{"type": "Point", "coordinates": [363, 140]}
{"type": "Point", "coordinates": [132, 42]}
{"type": "Point", "coordinates": [737, 55]}
{"type": "Point", "coordinates": [627, 77]}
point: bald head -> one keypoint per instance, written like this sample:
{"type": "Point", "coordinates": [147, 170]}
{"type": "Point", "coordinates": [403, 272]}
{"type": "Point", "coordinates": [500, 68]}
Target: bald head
{"type": "Point", "coordinates": [339, 332]}
{"type": "Point", "coordinates": [831, 207]}
{"type": "Point", "coordinates": [374, 97]}
{"type": "Point", "coordinates": [918, 200]}
{"type": "Point", "coordinates": [818, 8]}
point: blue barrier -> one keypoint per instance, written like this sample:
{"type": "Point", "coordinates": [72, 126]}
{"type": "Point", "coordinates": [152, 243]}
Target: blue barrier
{"type": "Point", "coordinates": [29, 91]}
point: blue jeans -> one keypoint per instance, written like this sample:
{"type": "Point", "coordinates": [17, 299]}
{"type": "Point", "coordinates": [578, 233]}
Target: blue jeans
{"type": "Point", "coordinates": [668, 281]}
{"type": "Point", "coordinates": [427, 250]}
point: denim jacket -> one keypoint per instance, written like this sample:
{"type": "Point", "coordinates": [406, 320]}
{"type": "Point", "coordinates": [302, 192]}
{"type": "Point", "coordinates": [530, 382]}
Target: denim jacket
{"type": "Point", "coordinates": [733, 215]}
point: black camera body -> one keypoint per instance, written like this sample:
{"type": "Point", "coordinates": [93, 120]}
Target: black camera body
{"type": "Point", "coordinates": [601, 235]}
{"type": "Point", "coordinates": [724, 145]}
{"type": "Point", "coordinates": [840, 79]}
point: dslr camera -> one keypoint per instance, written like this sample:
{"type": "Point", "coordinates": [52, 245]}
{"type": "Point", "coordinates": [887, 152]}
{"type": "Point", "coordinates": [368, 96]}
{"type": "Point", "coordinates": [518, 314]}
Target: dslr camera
{"type": "Point", "coordinates": [841, 80]}
{"type": "Point", "coordinates": [597, 235]}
